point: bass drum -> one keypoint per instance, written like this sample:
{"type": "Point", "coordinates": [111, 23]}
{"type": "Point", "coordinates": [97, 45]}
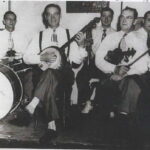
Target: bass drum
{"type": "Point", "coordinates": [11, 91]}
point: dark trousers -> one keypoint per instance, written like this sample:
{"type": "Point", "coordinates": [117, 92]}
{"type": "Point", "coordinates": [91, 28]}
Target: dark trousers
{"type": "Point", "coordinates": [52, 87]}
{"type": "Point", "coordinates": [46, 92]}
{"type": "Point", "coordinates": [87, 72]}
{"type": "Point", "coordinates": [107, 95]}
{"type": "Point", "coordinates": [125, 93]}
{"type": "Point", "coordinates": [27, 84]}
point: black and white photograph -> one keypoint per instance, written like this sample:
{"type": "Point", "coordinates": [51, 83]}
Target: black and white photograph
{"type": "Point", "coordinates": [75, 74]}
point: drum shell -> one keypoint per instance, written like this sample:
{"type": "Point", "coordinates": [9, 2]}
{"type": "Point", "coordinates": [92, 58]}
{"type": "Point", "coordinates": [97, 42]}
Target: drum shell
{"type": "Point", "coordinates": [15, 83]}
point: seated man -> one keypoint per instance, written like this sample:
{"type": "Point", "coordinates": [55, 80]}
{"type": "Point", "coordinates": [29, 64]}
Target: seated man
{"type": "Point", "coordinates": [113, 57]}
{"type": "Point", "coordinates": [13, 45]}
{"type": "Point", "coordinates": [10, 35]}
{"type": "Point", "coordinates": [48, 80]}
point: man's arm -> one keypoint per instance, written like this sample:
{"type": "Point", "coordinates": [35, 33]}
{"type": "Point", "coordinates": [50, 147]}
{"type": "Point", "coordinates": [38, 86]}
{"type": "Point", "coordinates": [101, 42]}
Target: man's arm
{"type": "Point", "coordinates": [133, 41]}
{"type": "Point", "coordinates": [77, 49]}
{"type": "Point", "coordinates": [101, 63]}
{"type": "Point", "coordinates": [32, 56]}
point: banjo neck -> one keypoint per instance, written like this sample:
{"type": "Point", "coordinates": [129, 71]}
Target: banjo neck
{"type": "Point", "coordinates": [60, 51]}
{"type": "Point", "coordinates": [84, 29]}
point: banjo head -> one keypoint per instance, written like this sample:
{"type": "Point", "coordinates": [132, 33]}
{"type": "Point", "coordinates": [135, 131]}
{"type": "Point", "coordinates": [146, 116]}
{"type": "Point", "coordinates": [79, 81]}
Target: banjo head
{"type": "Point", "coordinates": [55, 65]}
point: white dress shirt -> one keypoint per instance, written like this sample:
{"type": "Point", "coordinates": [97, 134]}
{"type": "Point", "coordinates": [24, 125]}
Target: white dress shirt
{"type": "Point", "coordinates": [32, 54]}
{"type": "Point", "coordinates": [109, 43]}
{"type": "Point", "coordinates": [97, 36]}
{"type": "Point", "coordinates": [19, 42]}
{"type": "Point", "coordinates": [136, 40]}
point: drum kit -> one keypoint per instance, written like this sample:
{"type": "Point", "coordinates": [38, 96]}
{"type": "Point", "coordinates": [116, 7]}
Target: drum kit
{"type": "Point", "coordinates": [11, 88]}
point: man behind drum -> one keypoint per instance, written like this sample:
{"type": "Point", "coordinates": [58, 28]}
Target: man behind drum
{"type": "Point", "coordinates": [47, 83]}
{"type": "Point", "coordinates": [9, 37]}
{"type": "Point", "coordinates": [13, 44]}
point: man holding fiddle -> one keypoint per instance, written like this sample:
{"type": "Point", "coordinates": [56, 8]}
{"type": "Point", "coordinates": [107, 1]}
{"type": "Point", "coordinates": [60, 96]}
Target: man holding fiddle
{"type": "Point", "coordinates": [47, 82]}
{"type": "Point", "coordinates": [122, 76]}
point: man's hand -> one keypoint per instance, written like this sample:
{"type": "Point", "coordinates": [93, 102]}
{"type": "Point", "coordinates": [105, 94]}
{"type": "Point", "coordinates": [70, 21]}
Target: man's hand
{"type": "Point", "coordinates": [48, 57]}
{"type": "Point", "coordinates": [80, 39]}
{"type": "Point", "coordinates": [121, 70]}
{"type": "Point", "coordinates": [116, 77]}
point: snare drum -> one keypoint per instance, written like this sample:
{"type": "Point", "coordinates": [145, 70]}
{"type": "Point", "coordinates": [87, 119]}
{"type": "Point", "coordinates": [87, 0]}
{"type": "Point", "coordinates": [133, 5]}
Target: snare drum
{"type": "Point", "coordinates": [11, 91]}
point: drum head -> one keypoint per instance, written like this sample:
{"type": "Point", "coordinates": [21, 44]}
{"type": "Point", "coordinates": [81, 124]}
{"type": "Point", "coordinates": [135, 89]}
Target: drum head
{"type": "Point", "coordinates": [6, 96]}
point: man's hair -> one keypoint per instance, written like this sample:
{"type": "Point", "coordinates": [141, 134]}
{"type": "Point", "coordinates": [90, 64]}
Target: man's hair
{"type": "Point", "coordinates": [145, 15]}
{"type": "Point", "coordinates": [45, 10]}
{"type": "Point", "coordinates": [132, 9]}
{"type": "Point", "coordinates": [107, 9]}
{"type": "Point", "coordinates": [9, 12]}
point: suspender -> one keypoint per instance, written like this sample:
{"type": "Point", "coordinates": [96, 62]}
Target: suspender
{"type": "Point", "coordinates": [68, 37]}
{"type": "Point", "coordinates": [40, 41]}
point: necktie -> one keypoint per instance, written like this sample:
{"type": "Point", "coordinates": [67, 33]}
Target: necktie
{"type": "Point", "coordinates": [54, 36]}
{"type": "Point", "coordinates": [10, 42]}
{"type": "Point", "coordinates": [123, 43]}
{"type": "Point", "coordinates": [103, 35]}
{"type": "Point", "coordinates": [148, 40]}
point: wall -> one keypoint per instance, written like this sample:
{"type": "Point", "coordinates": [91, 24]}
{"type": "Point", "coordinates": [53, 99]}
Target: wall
{"type": "Point", "coordinates": [3, 8]}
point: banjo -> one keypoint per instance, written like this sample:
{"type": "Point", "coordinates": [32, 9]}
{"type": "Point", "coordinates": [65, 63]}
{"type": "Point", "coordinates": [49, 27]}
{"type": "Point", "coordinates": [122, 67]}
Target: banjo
{"type": "Point", "coordinates": [59, 52]}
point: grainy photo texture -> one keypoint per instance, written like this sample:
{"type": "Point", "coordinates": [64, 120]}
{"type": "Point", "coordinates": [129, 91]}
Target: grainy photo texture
{"type": "Point", "coordinates": [75, 75]}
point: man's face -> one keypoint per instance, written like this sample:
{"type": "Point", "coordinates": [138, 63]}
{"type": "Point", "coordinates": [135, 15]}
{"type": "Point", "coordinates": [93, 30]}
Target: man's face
{"type": "Point", "coordinates": [53, 17]}
{"type": "Point", "coordinates": [9, 22]}
{"type": "Point", "coordinates": [106, 18]}
{"type": "Point", "coordinates": [147, 23]}
{"type": "Point", "coordinates": [127, 20]}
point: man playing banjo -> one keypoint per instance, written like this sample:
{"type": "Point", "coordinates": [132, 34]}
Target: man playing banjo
{"type": "Point", "coordinates": [47, 81]}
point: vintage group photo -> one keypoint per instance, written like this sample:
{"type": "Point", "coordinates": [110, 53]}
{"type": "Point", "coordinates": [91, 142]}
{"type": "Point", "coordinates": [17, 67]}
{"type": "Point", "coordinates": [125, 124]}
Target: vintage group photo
{"type": "Point", "coordinates": [75, 75]}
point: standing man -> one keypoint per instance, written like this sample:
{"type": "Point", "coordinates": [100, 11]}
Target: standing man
{"type": "Point", "coordinates": [100, 32]}
{"type": "Point", "coordinates": [98, 35]}
{"type": "Point", "coordinates": [48, 82]}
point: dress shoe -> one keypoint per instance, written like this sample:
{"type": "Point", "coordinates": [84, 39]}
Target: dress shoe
{"type": "Point", "coordinates": [88, 107]}
{"type": "Point", "coordinates": [48, 136]}
{"type": "Point", "coordinates": [23, 119]}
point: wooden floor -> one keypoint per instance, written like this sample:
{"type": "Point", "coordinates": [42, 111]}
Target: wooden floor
{"type": "Point", "coordinates": [83, 132]}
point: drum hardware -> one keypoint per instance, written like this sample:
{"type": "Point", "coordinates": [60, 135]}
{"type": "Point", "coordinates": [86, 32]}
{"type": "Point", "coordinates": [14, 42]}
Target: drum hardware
{"type": "Point", "coordinates": [15, 64]}
{"type": "Point", "coordinates": [23, 70]}
{"type": "Point", "coordinates": [18, 66]}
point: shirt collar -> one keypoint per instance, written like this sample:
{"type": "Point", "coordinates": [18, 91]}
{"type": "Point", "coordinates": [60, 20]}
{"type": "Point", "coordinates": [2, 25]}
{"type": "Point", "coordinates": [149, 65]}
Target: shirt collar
{"type": "Point", "coordinates": [57, 29]}
{"type": "Point", "coordinates": [122, 32]}
{"type": "Point", "coordinates": [107, 29]}
{"type": "Point", "coordinates": [143, 31]}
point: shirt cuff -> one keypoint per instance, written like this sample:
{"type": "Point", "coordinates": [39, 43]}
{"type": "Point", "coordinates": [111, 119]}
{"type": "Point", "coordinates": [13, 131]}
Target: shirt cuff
{"type": "Point", "coordinates": [37, 59]}
{"type": "Point", "coordinates": [83, 52]}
